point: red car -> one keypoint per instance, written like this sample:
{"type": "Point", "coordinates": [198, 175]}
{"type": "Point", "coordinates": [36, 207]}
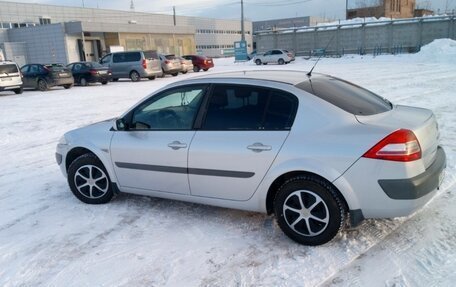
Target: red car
{"type": "Point", "coordinates": [200, 62]}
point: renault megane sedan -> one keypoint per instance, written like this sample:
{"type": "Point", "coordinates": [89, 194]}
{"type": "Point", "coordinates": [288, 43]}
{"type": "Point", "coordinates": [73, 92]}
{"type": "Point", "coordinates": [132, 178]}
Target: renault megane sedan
{"type": "Point", "coordinates": [316, 151]}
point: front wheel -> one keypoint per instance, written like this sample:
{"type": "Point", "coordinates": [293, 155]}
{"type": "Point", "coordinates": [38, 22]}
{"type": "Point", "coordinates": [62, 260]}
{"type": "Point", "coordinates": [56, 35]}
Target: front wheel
{"type": "Point", "coordinates": [184, 72]}
{"type": "Point", "coordinates": [89, 180]}
{"type": "Point", "coordinates": [281, 62]}
{"type": "Point", "coordinates": [258, 62]}
{"type": "Point", "coordinates": [174, 74]}
{"type": "Point", "coordinates": [68, 86]}
{"type": "Point", "coordinates": [196, 69]}
{"type": "Point", "coordinates": [18, 91]}
{"type": "Point", "coordinates": [309, 210]}
{"type": "Point", "coordinates": [42, 85]}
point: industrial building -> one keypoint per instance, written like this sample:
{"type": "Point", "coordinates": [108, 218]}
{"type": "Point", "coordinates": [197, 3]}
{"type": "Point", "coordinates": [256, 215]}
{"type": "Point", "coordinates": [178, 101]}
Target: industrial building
{"type": "Point", "coordinates": [50, 33]}
{"type": "Point", "coordinates": [383, 8]}
{"type": "Point", "coordinates": [274, 24]}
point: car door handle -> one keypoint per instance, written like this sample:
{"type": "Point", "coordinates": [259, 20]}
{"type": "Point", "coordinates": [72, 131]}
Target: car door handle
{"type": "Point", "coordinates": [175, 145]}
{"type": "Point", "coordinates": [259, 147]}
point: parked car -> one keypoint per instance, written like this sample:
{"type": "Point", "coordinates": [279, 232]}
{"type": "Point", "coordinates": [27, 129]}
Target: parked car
{"type": "Point", "coordinates": [43, 77]}
{"type": "Point", "coordinates": [251, 55]}
{"type": "Point", "coordinates": [171, 65]}
{"type": "Point", "coordinates": [187, 65]}
{"type": "Point", "coordinates": [314, 150]}
{"type": "Point", "coordinates": [290, 54]}
{"type": "Point", "coordinates": [274, 56]}
{"type": "Point", "coordinates": [200, 62]}
{"type": "Point", "coordinates": [90, 72]}
{"type": "Point", "coordinates": [10, 77]}
{"type": "Point", "coordinates": [133, 64]}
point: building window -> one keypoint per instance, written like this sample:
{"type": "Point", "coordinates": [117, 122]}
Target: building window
{"type": "Point", "coordinates": [45, 21]}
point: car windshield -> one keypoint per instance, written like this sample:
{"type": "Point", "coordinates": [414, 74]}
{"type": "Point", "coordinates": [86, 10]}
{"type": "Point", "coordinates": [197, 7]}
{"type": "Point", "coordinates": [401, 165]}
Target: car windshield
{"type": "Point", "coordinates": [347, 96]}
{"type": "Point", "coordinates": [94, 65]}
{"type": "Point", "coordinates": [8, 69]}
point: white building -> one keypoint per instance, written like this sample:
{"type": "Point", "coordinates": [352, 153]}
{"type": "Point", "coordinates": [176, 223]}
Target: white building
{"type": "Point", "coordinates": [49, 33]}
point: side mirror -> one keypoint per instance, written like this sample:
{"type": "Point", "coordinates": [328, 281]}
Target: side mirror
{"type": "Point", "coordinates": [121, 125]}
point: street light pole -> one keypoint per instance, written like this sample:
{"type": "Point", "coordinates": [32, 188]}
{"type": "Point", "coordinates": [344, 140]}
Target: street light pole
{"type": "Point", "coordinates": [242, 21]}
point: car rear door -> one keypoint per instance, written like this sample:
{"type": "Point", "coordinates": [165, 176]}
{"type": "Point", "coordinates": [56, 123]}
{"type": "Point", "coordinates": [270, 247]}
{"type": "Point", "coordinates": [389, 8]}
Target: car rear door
{"type": "Point", "coordinates": [243, 131]}
{"type": "Point", "coordinates": [152, 154]}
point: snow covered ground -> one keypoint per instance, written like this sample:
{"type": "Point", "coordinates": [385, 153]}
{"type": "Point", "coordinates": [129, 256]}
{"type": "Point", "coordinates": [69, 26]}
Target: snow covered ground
{"type": "Point", "coordinates": [48, 237]}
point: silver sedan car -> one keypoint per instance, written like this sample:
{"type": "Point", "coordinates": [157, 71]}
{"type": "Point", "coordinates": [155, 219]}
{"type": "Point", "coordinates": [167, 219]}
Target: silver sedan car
{"type": "Point", "coordinates": [316, 151]}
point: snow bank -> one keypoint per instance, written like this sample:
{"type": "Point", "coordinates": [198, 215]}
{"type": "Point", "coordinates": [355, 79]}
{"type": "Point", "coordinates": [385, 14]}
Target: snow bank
{"type": "Point", "coordinates": [441, 50]}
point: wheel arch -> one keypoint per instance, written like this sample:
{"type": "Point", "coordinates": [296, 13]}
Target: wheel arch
{"type": "Point", "coordinates": [280, 180]}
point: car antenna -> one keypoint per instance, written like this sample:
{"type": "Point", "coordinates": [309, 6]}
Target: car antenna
{"type": "Point", "coordinates": [327, 45]}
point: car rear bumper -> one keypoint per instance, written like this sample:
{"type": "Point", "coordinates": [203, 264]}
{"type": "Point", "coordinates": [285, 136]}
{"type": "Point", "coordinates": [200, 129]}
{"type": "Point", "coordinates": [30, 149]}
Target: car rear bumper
{"type": "Point", "coordinates": [63, 81]}
{"type": "Point", "coordinates": [11, 87]}
{"type": "Point", "coordinates": [418, 186]}
{"type": "Point", "coordinates": [99, 78]}
{"type": "Point", "coordinates": [387, 189]}
{"type": "Point", "coordinates": [151, 73]}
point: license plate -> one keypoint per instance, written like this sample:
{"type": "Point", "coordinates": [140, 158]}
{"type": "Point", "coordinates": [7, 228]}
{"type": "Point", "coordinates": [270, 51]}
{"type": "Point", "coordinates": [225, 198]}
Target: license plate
{"type": "Point", "coordinates": [102, 72]}
{"type": "Point", "coordinates": [63, 74]}
{"type": "Point", "coordinates": [6, 79]}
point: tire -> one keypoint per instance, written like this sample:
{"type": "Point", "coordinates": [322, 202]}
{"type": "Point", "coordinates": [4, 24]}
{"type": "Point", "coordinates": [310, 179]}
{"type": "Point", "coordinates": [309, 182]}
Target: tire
{"type": "Point", "coordinates": [265, 64]}
{"type": "Point", "coordinates": [134, 76]}
{"type": "Point", "coordinates": [258, 62]}
{"type": "Point", "coordinates": [115, 79]}
{"type": "Point", "coordinates": [68, 86]}
{"type": "Point", "coordinates": [42, 85]}
{"type": "Point", "coordinates": [104, 82]}
{"type": "Point", "coordinates": [309, 210]}
{"type": "Point", "coordinates": [89, 180]}
{"type": "Point", "coordinates": [281, 61]}
{"type": "Point", "coordinates": [18, 91]}
{"type": "Point", "coordinates": [174, 74]}
{"type": "Point", "coordinates": [151, 78]}
{"type": "Point", "coordinates": [196, 69]}
{"type": "Point", "coordinates": [184, 72]}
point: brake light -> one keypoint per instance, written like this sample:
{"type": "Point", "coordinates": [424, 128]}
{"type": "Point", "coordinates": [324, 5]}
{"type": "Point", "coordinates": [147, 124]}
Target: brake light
{"type": "Point", "coordinates": [144, 63]}
{"type": "Point", "coordinates": [167, 62]}
{"type": "Point", "coordinates": [93, 72]}
{"type": "Point", "coordinates": [401, 145]}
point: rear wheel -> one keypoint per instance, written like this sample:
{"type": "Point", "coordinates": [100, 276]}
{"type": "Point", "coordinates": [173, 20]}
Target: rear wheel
{"type": "Point", "coordinates": [281, 62]}
{"type": "Point", "coordinates": [258, 62]}
{"type": "Point", "coordinates": [18, 91]}
{"type": "Point", "coordinates": [104, 82]}
{"type": "Point", "coordinates": [309, 210]}
{"type": "Point", "coordinates": [174, 74]}
{"type": "Point", "coordinates": [205, 70]}
{"type": "Point", "coordinates": [134, 76]}
{"type": "Point", "coordinates": [152, 78]}
{"type": "Point", "coordinates": [196, 69]}
{"type": "Point", "coordinates": [89, 180]}
{"type": "Point", "coordinates": [42, 85]}
{"type": "Point", "coordinates": [68, 86]}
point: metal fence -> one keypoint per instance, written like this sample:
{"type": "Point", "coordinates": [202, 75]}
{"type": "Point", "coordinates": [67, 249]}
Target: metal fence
{"type": "Point", "coordinates": [392, 36]}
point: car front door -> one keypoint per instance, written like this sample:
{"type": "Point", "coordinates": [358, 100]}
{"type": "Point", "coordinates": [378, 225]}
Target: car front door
{"type": "Point", "coordinates": [26, 76]}
{"type": "Point", "coordinates": [151, 154]}
{"type": "Point", "coordinates": [267, 57]}
{"type": "Point", "coordinates": [243, 131]}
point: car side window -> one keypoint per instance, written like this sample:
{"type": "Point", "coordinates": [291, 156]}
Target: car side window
{"type": "Point", "coordinates": [132, 57]}
{"type": "Point", "coordinates": [238, 107]}
{"type": "Point", "coordinates": [118, 58]}
{"type": "Point", "coordinates": [268, 53]}
{"type": "Point", "coordinates": [25, 69]}
{"type": "Point", "coordinates": [277, 52]}
{"type": "Point", "coordinates": [173, 109]}
{"type": "Point", "coordinates": [34, 69]}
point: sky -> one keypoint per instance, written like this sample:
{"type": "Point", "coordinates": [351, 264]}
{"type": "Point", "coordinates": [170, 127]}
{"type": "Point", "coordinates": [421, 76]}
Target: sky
{"type": "Point", "coordinates": [229, 9]}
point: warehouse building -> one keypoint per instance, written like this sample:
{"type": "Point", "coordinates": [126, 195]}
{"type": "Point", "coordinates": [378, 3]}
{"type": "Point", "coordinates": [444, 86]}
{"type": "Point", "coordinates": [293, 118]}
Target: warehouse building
{"type": "Point", "coordinates": [49, 33]}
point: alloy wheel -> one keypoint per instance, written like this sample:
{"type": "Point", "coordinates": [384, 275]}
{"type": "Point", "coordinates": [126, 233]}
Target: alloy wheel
{"type": "Point", "coordinates": [91, 181]}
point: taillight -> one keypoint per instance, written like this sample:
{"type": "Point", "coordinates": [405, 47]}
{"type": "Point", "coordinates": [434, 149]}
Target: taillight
{"type": "Point", "coordinates": [401, 145]}
{"type": "Point", "coordinates": [109, 72]}
{"type": "Point", "coordinates": [144, 63]}
{"type": "Point", "coordinates": [93, 72]}
{"type": "Point", "coordinates": [167, 62]}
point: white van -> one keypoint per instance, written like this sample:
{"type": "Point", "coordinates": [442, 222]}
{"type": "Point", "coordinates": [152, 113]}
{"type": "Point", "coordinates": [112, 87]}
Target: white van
{"type": "Point", "coordinates": [10, 77]}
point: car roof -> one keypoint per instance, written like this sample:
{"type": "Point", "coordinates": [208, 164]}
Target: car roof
{"type": "Point", "coordinates": [284, 76]}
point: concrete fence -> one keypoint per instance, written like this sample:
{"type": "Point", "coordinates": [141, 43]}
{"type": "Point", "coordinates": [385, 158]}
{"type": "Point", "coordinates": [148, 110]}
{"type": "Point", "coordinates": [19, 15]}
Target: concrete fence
{"type": "Point", "coordinates": [395, 36]}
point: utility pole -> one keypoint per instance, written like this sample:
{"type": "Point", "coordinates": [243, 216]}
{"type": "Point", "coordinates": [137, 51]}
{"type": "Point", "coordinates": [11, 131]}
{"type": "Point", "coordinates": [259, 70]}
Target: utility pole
{"type": "Point", "coordinates": [346, 9]}
{"type": "Point", "coordinates": [242, 21]}
{"type": "Point", "coordinates": [174, 15]}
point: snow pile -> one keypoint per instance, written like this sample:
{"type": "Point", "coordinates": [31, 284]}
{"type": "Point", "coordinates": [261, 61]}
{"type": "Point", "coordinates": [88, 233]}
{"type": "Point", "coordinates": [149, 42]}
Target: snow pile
{"type": "Point", "coordinates": [441, 50]}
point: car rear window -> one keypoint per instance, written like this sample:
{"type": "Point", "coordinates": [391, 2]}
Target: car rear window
{"type": "Point", "coordinates": [347, 96]}
{"type": "Point", "coordinates": [170, 57]}
{"type": "Point", "coordinates": [150, 55]}
{"type": "Point", "coordinates": [94, 65]}
{"type": "Point", "coordinates": [8, 69]}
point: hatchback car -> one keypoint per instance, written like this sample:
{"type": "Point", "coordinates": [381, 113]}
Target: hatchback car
{"type": "Point", "coordinates": [274, 56]}
{"type": "Point", "coordinates": [10, 77]}
{"type": "Point", "coordinates": [90, 72]}
{"type": "Point", "coordinates": [133, 65]}
{"type": "Point", "coordinates": [200, 62]}
{"type": "Point", "coordinates": [314, 150]}
{"type": "Point", "coordinates": [43, 77]}
{"type": "Point", "coordinates": [170, 64]}
{"type": "Point", "coordinates": [187, 65]}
